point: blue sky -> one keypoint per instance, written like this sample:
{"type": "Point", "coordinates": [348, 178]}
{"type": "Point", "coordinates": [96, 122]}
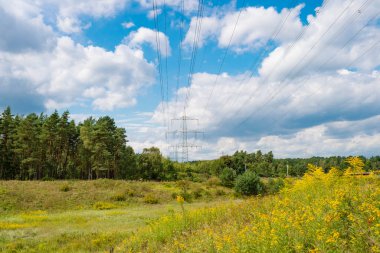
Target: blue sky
{"type": "Point", "coordinates": [300, 78]}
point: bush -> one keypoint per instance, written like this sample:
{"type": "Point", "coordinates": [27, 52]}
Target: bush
{"type": "Point", "coordinates": [150, 199]}
{"type": "Point", "coordinates": [104, 206]}
{"type": "Point", "coordinates": [184, 185]}
{"type": "Point", "coordinates": [119, 196]}
{"type": "Point", "coordinates": [227, 177]}
{"type": "Point", "coordinates": [274, 185]}
{"type": "Point", "coordinates": [248, 184]}
{"type": "Point", "coordinates": [220, 192]}
{"type": "Point", "coordinates": [130, 192]}
{"type": "Point", "coordinates": [213, 181]}
{"type": "Point", "coordinates": [65, 188]}
{"type": "Point", "coordinates": [197, 192]}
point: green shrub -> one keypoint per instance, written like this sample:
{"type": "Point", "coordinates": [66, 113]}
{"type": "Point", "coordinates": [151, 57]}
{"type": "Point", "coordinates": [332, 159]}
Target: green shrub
{"type": "Point", "coordinates": [119, 196]}
{"type": "Point", "coordinates": [248, 184]}
{"type": "Point", "coordinates": [130, 192]}
{"type": "Point", "coordinates": [197, 192]}
{"type": "Point", "coordinates": [227, 177]}
{"type": "Point", "coordinates": [65, 188]}
{"type": "Point", "coordinates": [220, 192]}
{"type": "Point", "coordinates": [150, 199]}
{"type": "Point", "coordinates": [183, 185]}
{"type": "Point", "coordinates": [274, 185]}
{"type": "Point", "coordinates": [104, 205]}
{"type": "Point", "coordinates": [213, 181]}
{"type": "Point", "coordinates": [187, 197]}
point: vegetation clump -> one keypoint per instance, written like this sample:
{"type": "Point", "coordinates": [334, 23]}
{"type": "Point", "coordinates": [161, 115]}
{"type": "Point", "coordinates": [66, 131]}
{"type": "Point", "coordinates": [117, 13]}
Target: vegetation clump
{"type": "Point", "coordinates": [322, 212]}
{"type": "Point", "coordinates": [150, 199]}
{"type": "Point", "coordinates": [249, 184]}
{"type": "Point", "coordinates": [104, 205]}
{"type": "Point", "coordinates": [227, 177]}
{"type": "Point", "coordinates": [65, 188]}
{"type": "Point", "coordinates": [119, 196]}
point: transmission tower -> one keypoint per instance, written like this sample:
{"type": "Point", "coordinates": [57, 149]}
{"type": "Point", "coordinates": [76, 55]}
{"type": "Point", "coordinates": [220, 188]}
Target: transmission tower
{"type": "Point", "coordinates": [182, 134]}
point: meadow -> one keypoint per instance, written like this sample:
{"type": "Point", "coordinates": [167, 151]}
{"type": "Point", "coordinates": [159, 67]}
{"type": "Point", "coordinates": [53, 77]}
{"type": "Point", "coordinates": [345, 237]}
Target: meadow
{"type": "Point", "coordinates": [322, 212]}
{"type": "Point", "coordinates": [89, 216]}
{"type": "Point", "coordinates": [334, 211]}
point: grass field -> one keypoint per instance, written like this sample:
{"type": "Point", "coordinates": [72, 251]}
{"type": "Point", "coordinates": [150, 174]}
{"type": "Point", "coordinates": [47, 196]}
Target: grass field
{"type": "Point", "coordinates": [88, 216]}
{"type": "Point", "coordinates": [319, 213]}
{"type": "Point", "coordinates": [322, 212]}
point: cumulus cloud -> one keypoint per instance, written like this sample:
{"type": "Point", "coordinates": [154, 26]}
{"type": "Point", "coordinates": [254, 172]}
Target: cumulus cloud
{"type": "Point", "coordinates": [336, 36]}
{"type": "Point", "coordinates": [148, 36]}
{"type": "Point", "coordinates": [127, 25]}
{"type": "Point", "coordinates": [23, 32]}
{"type": "Point", "coordinates": [72, 72]}
{"type": "Point", "coordinates": [154, 13]}
{"type": "Point", "coordinates": [332, 108]}
{"type": "Point", "coordinates": [70, 11]}
{"type": "Point", "coordinates": [189, 5]}
{"type": "Point", "coordinates": [256, 26]}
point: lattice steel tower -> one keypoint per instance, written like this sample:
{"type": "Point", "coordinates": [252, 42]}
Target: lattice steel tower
{"type": "Point", "coordinates": [182, 135]}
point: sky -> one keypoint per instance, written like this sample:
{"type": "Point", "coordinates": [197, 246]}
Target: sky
{"type": "Point", "coordinates": [299, 78]}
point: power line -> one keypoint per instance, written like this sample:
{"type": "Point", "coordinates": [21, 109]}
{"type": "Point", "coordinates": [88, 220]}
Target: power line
{"type": "Point", "coordinates": [198, 28]}
{"type": "Point", "coordinates": [225, 55]}
{"type": "Point", "coordinates": [287, 51]}
{"type": "Point", "coordinates": [256, 62]}
{"type": "Point", "coordinates": [182, 8]}
{"type": "Point", "coordinates": [159, 58]}
{"type": "Point", "coordinates": [298, 63]}
{"type": "Point", "coordinates": [166, 58]}
{"type": "Point", "coordinates": [329, 59]}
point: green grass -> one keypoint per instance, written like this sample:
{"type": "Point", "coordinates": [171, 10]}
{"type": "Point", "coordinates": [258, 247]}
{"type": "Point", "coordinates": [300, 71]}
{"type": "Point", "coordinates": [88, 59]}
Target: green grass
{"type": "Point", "coordinates": [87, 216]}
{"type": "Point", "coordinates": [318, 213]}
{"type": "Point", "coordinates": [80, 230]}
{"type": "Point", "coordinates": [16, 196]}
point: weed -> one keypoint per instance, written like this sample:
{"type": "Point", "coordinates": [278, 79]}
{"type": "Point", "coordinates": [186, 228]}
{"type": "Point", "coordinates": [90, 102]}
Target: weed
{"type": "Point", "coordinates": [150, 199]}
{"type": "Point", "coordinates": [104, 206]}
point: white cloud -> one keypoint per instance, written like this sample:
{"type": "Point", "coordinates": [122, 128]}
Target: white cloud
{"type": "Point", "coordinates": [69, 25]}
{"type": "Point", "coordinates": [72, 72]}
{"type": "Point", "coordinates": [145, 35]}
{"type": "Point", "coordinates": [328, 43]}
{"type": "Point", "coordinates": [255, 27]}
{"type": "Point", "coordinates": [67, 13]}
{"type": "Point", "coordinates": [316, 141]}
{"type": "Point", "coordinates": [127, 25]}
{"type": "Point", "coordinates": [189, 5]}
{"type": "Point", "coordinates": [24, 31]}
{"type": "Point", "coordinates": [70, 11]}
{"type": "Point", "coordinates": [152, 14]}
{"type": "Point", "coordinates": [298, 110]}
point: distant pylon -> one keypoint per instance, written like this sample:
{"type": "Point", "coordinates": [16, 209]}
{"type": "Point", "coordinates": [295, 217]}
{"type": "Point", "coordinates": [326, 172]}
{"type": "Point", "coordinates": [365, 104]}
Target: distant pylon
{"type": "Point", "coordinates": [182, 134]}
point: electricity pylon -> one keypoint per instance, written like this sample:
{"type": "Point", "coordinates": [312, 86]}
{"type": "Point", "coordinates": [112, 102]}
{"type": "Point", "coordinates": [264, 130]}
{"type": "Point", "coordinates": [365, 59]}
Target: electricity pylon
{"type": "Point", "coordinates": [182, 134]}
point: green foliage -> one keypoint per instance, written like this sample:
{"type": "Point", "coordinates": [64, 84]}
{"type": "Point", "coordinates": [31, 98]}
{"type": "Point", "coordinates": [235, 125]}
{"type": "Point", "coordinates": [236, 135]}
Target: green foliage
{"type": "Point", "coordinates": [228, 177]}
{"type": "Point", "coordinates": [150, 199]}
{"type": "Point", "coordinates": [220, 192]}
{"type": "Point", "coordinates": [248, 184]}
{"type": "Point", "coordinates": [48, 147]}
{"type": "Point", "coordinates": [104, 205]}
{"type": "Point", "coordinates": [198, 192]}
{"type": "Point", "coordinates": [150, 164]}
{"type": "Point", "coordinates": [274, 185]}
{"type": "Point", "coordinates": [213, 181]}
{"type": "Point", "coordinates": [119, 196]}
{"type": "Point", "coordinates": [65, 188]}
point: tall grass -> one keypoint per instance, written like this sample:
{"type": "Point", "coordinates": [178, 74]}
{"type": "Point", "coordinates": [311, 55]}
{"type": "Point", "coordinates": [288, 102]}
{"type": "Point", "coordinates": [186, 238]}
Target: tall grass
{"type": "Point", "coordinates": [318, 213]}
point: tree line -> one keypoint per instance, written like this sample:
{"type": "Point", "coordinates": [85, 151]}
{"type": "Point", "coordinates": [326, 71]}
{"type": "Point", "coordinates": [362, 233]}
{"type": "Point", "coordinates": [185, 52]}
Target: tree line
{"type": "Point", "coordinates": [265, 165]}
{"type": "Point", "coordinates": [35, 147]}
{"type": "Point", "coordinates": [41, 147]}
